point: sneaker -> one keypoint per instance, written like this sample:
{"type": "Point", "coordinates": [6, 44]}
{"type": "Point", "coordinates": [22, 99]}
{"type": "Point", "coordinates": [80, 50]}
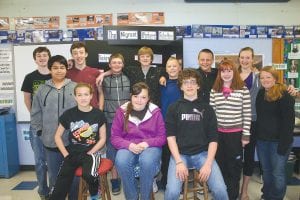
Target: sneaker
{"type": "Point", "coordinates": [95, 197]}
{"type": "Point", "coordinates": [115, 186]}
{"type": "Point", "coordinates": [155, 188]}
{"type": "Point", "coordinates": [96, 162]}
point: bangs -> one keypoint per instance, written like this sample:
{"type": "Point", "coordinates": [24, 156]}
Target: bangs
{"type": "Point", "coordinates": [226, 64]}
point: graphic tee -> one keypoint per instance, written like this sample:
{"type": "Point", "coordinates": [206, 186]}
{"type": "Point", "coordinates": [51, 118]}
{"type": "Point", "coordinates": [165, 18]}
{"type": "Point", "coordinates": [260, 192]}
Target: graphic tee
{"type": "Point", "coordinates": [33, 80]}
{"type": "Point", "coordinates": [83, 128]}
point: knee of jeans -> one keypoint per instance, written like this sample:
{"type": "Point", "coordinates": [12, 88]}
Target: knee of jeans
{"type": "Point", "coordinates": [121, 162]}
{"type": "Point", "coordinates": [172, 192]}
{"type": "Point", "coordinates": [218, 190]}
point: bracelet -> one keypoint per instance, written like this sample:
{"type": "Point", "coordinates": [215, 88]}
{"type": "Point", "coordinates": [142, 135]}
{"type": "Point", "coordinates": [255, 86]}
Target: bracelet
{"type": "Point", "coordinates": [179, 162]}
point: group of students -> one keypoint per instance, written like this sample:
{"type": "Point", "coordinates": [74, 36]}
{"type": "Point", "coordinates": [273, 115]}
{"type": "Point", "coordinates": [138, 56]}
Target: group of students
{"type": "Point", "coordinates": [211, 120]}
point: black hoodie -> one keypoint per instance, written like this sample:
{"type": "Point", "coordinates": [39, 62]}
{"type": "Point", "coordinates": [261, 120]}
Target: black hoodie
{"type": "Point", "coordinates": [193, 123]}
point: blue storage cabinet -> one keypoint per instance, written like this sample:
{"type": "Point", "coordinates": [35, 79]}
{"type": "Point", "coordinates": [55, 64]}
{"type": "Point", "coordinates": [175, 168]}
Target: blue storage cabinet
{"type": "Point", "coordinates": [9, 153]}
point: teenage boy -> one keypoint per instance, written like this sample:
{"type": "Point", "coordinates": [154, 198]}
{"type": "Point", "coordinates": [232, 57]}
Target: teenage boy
{"type": "Point", "coordinates": [49, 102]}
{"type": "Point", "coordinates": [187, 119]}
{"type": "Point", "coordinates": [207, 74]}
{"type": "Point", "coordinates": [143, 73]}
{"type": "Point", "coordinates": [82, 73]}
{"type": "Point", "coordinates": [169, 94]}
{"type": "Point", "coordinates": [115, 90]}
{"type": "Point", "coordinates": [30, 85]}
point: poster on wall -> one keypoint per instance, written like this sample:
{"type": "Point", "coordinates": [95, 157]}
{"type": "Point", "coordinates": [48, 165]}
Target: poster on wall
{"type": "Point", "coordinates": [257, 61]}
{"type": "Point", "coordinates": [33, 23]}
{"type": "Point", "coordinates": [6, 78]}
{"type": "Point", "coordinates": [183, 32]}
{"type": "Point", "coordinates": [231, 31]}
{"type": "Point", "coordinates": [248, 31]}
{"type": "Point", "coordinates": [275, 31]}
{"type": "Point", "coordinates": [4, 23]}
{"type": "Point", "coordinates": [140, 18]}
{"type": "Point", "coordinates": [89, 20]}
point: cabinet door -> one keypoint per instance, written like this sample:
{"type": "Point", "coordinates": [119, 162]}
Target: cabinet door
{"type": "Point", "coordinates": [3, 156]}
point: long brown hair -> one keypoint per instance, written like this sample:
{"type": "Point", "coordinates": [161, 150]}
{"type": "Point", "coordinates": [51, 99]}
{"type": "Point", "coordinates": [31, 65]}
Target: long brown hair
{"type": "Point", "coordinates": [275, 92]}
{"type": "Point", "coordinates": [136, 89]}
{"type": "Point", "coordinates": [237, 82]}
{"type": "Point", "coordinates": [245, 49]}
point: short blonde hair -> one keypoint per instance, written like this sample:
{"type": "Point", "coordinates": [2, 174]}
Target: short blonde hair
{"type": "Point", "coordinates": [145, 50]}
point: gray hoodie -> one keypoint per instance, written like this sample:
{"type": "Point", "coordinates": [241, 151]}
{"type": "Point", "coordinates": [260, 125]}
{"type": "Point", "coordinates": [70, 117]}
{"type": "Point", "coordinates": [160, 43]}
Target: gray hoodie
{"type": "Point", "coordinates": [47, 106]}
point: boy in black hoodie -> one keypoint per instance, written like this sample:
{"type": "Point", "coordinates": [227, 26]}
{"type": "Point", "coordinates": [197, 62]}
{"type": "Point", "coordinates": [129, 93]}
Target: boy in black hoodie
{"type": "Point", "coordinates": [192, 139]}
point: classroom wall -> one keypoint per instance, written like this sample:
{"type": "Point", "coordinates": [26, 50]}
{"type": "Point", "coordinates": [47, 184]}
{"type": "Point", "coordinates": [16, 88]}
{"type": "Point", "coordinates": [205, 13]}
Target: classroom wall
{"type": "Point", "coordinates": [177, 12]}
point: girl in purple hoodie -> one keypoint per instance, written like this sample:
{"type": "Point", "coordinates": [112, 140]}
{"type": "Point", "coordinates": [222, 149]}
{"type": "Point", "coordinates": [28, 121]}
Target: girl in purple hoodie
{"type": "Point", "coordinates": [138, 132]}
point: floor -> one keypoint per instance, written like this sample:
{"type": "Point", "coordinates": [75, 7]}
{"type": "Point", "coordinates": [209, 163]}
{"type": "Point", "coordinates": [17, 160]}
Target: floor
{"type": "Point", "coordinates": [293, 192]}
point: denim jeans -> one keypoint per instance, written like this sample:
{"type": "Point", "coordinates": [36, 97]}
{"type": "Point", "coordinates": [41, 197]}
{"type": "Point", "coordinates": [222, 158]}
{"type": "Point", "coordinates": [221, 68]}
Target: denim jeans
{"type": "Point", "coordinates": [148, 161]}
{"type": "Point", "coordinates": [111, 151]}
{"type": "Point", "coordinates": [273, 166]}
{"type": "Point", "coordinates": [40, 162]}
{"type": "Point", "coordinates": [215, 181]}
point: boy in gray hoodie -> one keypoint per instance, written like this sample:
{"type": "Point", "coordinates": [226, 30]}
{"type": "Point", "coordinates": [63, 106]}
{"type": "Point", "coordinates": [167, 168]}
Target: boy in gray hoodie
{"type": "Point", "coordinates": [50, 101]}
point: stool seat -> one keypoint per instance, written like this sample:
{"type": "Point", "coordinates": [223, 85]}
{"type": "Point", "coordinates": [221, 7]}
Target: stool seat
{"type": "Point", "coordinates": [105, 166]}
{"type": "Point", "coordinates": [78, 171]}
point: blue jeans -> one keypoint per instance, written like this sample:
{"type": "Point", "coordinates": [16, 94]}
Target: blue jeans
{"type": "Point", "coordinates": [54, 161]}
{"type": "Point", "coordinates": [111, 151]}
{"type": "Point", "coordinates": [148, 161]}
{"type": "Point", "coordinates": [215, 181]}
{"type": "Point", "coordinates": [40, 162]}
{"type": "Point", "coordinates": [273, 166]}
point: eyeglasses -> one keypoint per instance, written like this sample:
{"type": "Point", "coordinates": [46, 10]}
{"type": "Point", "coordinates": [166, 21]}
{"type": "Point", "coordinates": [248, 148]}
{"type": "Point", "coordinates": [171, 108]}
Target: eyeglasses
{"type": "Point", "coordinates": [189, 82]}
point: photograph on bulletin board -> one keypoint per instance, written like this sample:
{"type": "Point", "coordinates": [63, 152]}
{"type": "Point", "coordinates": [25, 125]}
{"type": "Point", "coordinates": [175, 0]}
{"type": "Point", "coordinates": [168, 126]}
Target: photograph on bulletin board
{"type": "Point", "coordinates": [292, 50]}
{"type": "Point", "coordinates": [257, 61]}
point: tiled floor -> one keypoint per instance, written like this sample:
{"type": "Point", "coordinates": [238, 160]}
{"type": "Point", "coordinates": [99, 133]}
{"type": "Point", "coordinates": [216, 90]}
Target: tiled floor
{"type": "Point", "coordinates": [293, 192]}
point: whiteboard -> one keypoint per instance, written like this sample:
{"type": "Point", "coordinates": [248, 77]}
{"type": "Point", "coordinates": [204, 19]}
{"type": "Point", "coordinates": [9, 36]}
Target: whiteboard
{"type": "Point", "coordinates": [24, 64]}
{"type": "Point", "coordinates": [192, 46]}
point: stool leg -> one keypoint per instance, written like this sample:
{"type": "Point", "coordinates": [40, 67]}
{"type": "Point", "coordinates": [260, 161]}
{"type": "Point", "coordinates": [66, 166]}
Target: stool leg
{"type": "Point", "coordinates": [85, 189]}
{"type": "Point", "coordinates": [205, 189]}
{"type": "Point", "coordinates": [102, 187]}
{"type": "Point", "coordinates": [195, 182]}
{"type": "Point", "coordinates": [107, 188]}
{"type": "Point", "coordinates": [80, 192]}
{"type": "Point", "coordinates": [152, 196]}
{"type": "Point", "coordinates": [185, 189]}
{"type": "Point", "coordinates": [105, 193]}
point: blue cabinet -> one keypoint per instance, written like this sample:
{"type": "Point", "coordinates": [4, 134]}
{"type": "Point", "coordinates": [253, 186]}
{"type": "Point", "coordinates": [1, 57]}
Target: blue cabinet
{"type": "Point", "coordinates": [9, 153]}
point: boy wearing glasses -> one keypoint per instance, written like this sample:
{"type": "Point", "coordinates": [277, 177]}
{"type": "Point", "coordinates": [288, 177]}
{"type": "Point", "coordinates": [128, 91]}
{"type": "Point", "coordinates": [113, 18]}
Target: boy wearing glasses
{"type": "Point", "coordinates": [192, 138]}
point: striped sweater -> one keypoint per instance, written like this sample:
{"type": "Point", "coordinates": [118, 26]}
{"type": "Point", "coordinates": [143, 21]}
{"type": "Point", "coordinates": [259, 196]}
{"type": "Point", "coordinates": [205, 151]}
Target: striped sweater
{"type": "Point", "coordinates": [233, 112]}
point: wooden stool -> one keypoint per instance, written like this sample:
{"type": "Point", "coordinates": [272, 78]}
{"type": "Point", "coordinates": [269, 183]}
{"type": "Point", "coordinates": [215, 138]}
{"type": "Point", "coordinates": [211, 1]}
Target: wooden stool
{"type": "Point", "coordinates": [83, 191]}
{"type": "Point", "coordinates": [193, 178]}
{"type": "Point", "coordinates": [105, 166]}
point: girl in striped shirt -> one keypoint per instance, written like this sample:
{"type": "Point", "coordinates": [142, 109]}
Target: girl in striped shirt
{"type": "Point", "coordinates": [232, 104]}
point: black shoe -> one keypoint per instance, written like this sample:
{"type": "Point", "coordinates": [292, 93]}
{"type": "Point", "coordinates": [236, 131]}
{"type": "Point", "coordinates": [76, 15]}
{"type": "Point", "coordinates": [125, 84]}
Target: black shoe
{"type": "Point", "coordinates": [115, 186]}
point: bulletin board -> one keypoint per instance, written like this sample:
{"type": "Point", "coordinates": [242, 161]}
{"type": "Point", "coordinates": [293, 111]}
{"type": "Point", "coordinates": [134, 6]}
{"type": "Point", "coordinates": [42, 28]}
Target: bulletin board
{"type": "Point", "coordinates": [24, 64]}
{"type": "Point", "coordinates": [221, 46]}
